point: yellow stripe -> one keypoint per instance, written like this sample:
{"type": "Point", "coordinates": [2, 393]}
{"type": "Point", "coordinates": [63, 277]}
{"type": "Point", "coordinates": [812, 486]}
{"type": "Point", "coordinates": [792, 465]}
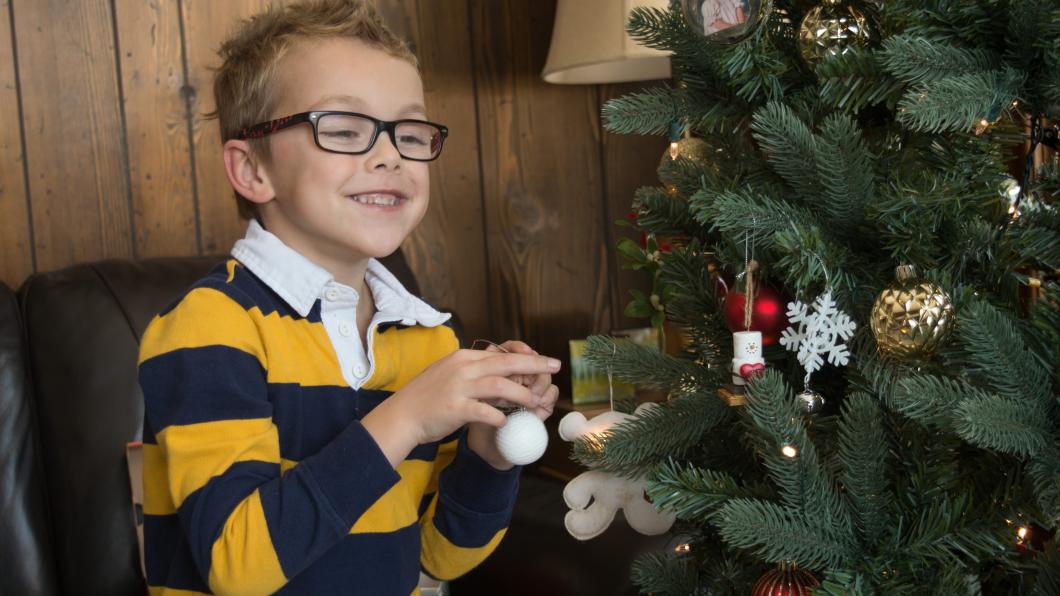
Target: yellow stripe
{"type": "Point", "coordinates": [243, 559]}
{"type": "Point", "coordinates": [446, 453]}
{"type": "Point", "coordinates": [164, 591]}
{"type": "Point", "coordinates": [401, 354]}
{"type": "Point", "coordinates": [205, 317]}
{"type": "Point", "coordinates": [298, 351]}
{"type": "Point", "coordinates": [157, 499]}
{"type": "Point", "coordinates": [230, 265]}
{"type": "Point", "coordinates": [292, 350]}
{"type": "Point", "coordinates": [197, 452]}
{"type": "Point", "coordinates": [445, 560]}
{"type": "Point", "coordinates": [286, 464]}
{"type": "Point", "coordinates": [399, 507]}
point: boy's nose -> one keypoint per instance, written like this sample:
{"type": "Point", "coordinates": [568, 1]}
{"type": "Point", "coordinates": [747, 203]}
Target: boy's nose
{"type": "Point", "coordinates": [384, 153]}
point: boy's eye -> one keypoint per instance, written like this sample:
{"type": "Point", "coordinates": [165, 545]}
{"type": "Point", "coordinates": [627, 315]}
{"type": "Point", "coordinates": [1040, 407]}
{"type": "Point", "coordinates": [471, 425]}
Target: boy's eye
{"type": "Point", "coordinates": [411, 139]}
{"type": "Point", "coordinates": [341, 134]}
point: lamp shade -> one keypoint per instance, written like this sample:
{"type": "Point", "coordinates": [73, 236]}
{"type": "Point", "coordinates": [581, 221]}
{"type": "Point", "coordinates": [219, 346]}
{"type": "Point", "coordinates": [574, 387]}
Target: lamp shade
{"type": "Point", "coordinates": [590, 44]}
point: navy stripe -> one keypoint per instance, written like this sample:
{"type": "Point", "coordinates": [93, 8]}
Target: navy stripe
{"type": "Point", "coordinates": [226, 384]}
{"type": "Point", "coordinates": [308, 418]}
{"type": "Point", "coordinates": [425, 503]}
{"type": "Point", "coordinates": [206, 510]}
{"type": "Point", "coordinates": [426, 452]}
{"type": "Point", "coordinates": [368, 564]}
{"type": "Point", "coordinates": [167, 559]}
{"type": "Point", "coordinates": [148, 434]}
{"type": "Point", "coordinates": [318, 501]}
{"type": "Point", "coordinates": [476, 499]}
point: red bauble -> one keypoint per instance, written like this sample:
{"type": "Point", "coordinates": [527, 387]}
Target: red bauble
{"type": "Point", "coordinates": [768, 313]}
{"type": "Point", "coordinates": [785, 580]}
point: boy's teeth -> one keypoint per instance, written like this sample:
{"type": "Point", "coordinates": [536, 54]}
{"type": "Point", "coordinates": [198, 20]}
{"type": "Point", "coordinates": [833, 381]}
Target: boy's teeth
{"type": "Point", "coordinates": [374, 199]}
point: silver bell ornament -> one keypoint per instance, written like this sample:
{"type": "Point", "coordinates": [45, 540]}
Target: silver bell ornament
{"type": "Point", "coordinates": [811, 401]}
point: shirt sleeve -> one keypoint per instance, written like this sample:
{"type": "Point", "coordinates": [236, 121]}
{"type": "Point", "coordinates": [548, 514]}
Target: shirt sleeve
{"type": "Point", "coordinates": [469, 514]}
{"type": "Point", "coordinates": [203, 371]}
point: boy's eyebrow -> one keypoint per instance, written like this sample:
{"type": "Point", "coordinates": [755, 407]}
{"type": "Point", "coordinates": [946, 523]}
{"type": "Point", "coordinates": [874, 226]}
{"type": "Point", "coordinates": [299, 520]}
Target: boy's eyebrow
{"type": "Point", "coordinates": [358, 104]}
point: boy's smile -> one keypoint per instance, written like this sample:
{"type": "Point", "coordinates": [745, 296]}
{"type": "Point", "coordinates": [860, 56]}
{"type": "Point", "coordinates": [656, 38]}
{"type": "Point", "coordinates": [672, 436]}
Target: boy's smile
{"type": "Point", "coordinates": [339, 210]}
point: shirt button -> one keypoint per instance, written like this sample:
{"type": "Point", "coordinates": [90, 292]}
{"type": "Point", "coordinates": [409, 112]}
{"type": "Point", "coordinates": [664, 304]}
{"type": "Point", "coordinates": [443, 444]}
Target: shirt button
{"type": "Point", "coordinates": [345, 329]}
{"type": "Point", "coordinates": [332, 294]}
{"type": "Point", "coordinates": [358, 371]}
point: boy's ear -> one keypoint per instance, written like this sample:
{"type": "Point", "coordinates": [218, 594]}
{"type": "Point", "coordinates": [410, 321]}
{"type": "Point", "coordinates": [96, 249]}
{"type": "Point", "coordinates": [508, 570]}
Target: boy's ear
{"type": "Point", "coordinates": [245, 172]}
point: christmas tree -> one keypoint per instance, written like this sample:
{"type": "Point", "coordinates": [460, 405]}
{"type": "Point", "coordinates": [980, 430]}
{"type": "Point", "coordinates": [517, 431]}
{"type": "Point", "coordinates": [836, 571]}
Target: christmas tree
{"type": "Point", "coordinates": [900, 433]}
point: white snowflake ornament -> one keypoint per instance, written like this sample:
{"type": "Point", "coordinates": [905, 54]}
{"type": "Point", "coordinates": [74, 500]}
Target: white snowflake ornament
{"type": "Point", "coordinates": [818, 334]}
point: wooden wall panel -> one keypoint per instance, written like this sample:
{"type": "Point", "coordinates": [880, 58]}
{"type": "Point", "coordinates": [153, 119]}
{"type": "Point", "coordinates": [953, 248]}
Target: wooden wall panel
{"type": "Point", "coordinates": [448, 249]}
{"type": "Point", "coordinates": [542, 183]}
{"type": "Point", "coordinates": [629, 163]}
{"type": "Point", "coordinates": [74, 139]}
{"type": "Point", "coordinates": [16, 254]}
{"type": "Point", "coordinates": [206, 24]}
{"type": "Point", "coordinates": [163, 200]}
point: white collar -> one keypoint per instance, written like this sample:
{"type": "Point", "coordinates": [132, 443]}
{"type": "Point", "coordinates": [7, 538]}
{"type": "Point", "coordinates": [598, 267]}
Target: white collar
{"type": "Point", "coordinates": [300, 282]}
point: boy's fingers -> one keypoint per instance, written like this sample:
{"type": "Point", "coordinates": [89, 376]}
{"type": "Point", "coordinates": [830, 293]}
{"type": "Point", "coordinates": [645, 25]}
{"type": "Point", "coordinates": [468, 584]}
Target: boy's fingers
{"type": "Point", "coordinates": [506, 365]}
{"type": "Point", "coordinates": [487, 414]}
{"type": "Point", "coordinates": [539, 384]}
{"type": "Point", "coordinates": [548, 403]}
{"type": "Point", "coordinates": [518, 347]}
{"type": "Point", "coordinates": [503, 388]}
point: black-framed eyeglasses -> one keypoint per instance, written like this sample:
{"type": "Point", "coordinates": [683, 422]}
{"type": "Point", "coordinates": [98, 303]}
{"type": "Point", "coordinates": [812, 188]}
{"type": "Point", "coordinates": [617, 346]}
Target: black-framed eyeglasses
{"type": "Point", "coordinates": [353, 133]}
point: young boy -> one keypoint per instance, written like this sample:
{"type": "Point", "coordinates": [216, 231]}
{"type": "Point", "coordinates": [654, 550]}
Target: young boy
{"type": "Point", "coordinates": [310, 426]}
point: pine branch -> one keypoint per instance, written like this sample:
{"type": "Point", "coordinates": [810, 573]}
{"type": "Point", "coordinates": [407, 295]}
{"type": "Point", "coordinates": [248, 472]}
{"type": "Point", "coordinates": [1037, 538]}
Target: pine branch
{"type": "Point", "coordinates": [1003, 424]}
{"type": "Point", "coordinates": [804, 482]}
{"type": "Point", "coordinates": [1036, 238]}
{"type": "Point", "coordinates": [930, 399]}
{"type": "Point", "coordinates": [845, 170]}
{"type": "Point", "coordinates": [957, 103]}
{"type": "Point", "coordinates": [1044, 470]}
{"type": "Point", "coordinates": [776, 533]}
{"type": "Point", "coordinates": [789, 146]}
{"type": "Point", "coordinates": [1047, 567]}
{"type": "Point", "coordinates": [863, 453]}
{"type": "Point", "coordinates": [659, 212]}
{"type": "Point", "coordinates": [694, 494]}
{"type": "Point", "coordinates": [854, 80]}
{"type": "Point", "coordinates": [947, 533]}
{"type": "Point", "coordinates": [657, 573]}
{"type": "Point", "coordinates": [649, 112]}
{"type": "Point", "coordinates": [633, 447]}
{"type": "Point", "coordinates": [921, 60]}
{"type": "Point", "coordinates": [648, 367]}
{"type": "Point", "coordinates": [990, 349]}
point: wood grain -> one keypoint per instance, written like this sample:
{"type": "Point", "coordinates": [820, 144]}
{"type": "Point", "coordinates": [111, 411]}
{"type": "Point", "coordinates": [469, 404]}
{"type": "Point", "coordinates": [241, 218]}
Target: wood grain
{"type": "Point", "coordinates": [207, 23]}
{"type": "Point", "coordinates": [72, 115]}
{"type": "Point", "coordinates": [447, 250]}
{"type": "Point", "coordinates": [16, 255]}
{"type": "Point", "coordinates": [542, 179]}
{"type": "Point", "coordinates": [156, 128]}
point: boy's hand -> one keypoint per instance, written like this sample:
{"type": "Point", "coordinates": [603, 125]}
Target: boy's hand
{"type": "Point", "coordinates": [482, 438]}
{"type": "Point", "coordinates": [454, 391]}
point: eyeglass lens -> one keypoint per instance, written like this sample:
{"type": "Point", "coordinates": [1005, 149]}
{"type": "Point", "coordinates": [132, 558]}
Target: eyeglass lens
{"type": "Point", "coordinates": [353, 134]}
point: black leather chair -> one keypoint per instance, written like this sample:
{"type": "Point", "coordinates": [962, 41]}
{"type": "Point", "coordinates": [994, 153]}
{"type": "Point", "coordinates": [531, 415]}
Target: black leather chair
{"type": "Point", "coordinates": [70, 401]}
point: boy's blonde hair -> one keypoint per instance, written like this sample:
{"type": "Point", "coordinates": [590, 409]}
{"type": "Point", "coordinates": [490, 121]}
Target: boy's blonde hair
{"type": "Point", "coordinates": [244, 86]}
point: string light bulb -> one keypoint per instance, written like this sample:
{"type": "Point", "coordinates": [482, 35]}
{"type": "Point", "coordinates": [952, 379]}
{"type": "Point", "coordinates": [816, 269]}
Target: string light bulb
{"type": "Point", "coordinates": [675, 150]}
{"type": "Point", "coordinates": [1022, 532]}
{"type": "Point", "coordinates": [683, 549]}
{"type": "Point", "coordinates": [789, 451]}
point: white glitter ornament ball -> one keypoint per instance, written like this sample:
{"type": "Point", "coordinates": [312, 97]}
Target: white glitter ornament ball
{"type": "Point", "coordinates": [523, 439]}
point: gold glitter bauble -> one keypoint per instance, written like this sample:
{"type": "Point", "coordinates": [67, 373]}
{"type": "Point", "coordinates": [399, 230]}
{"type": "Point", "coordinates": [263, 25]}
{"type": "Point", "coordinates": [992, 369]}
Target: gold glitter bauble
{"type": "Point", "coordinates": [912, 317]}
{"type": "Point", "coordinates": [833, 27]}
{"type": "Point", "coordinates": [692, 148]}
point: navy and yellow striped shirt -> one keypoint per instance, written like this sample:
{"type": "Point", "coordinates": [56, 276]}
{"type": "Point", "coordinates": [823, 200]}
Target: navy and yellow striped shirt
{"type": "Point", "coordinates": [259, 477]}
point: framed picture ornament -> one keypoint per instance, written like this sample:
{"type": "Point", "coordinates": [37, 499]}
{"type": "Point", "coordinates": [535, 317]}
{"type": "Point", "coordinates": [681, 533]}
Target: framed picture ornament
{"type": "Point", "coordinates": [725, 21]}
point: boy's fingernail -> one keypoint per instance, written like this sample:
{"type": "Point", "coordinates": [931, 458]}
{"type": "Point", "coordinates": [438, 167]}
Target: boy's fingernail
{"type": "Point", "coordinates": [553, 364]}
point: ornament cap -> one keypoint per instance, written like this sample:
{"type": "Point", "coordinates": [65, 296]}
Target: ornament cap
{"type": "Point", "coordinates": [905, 272]}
